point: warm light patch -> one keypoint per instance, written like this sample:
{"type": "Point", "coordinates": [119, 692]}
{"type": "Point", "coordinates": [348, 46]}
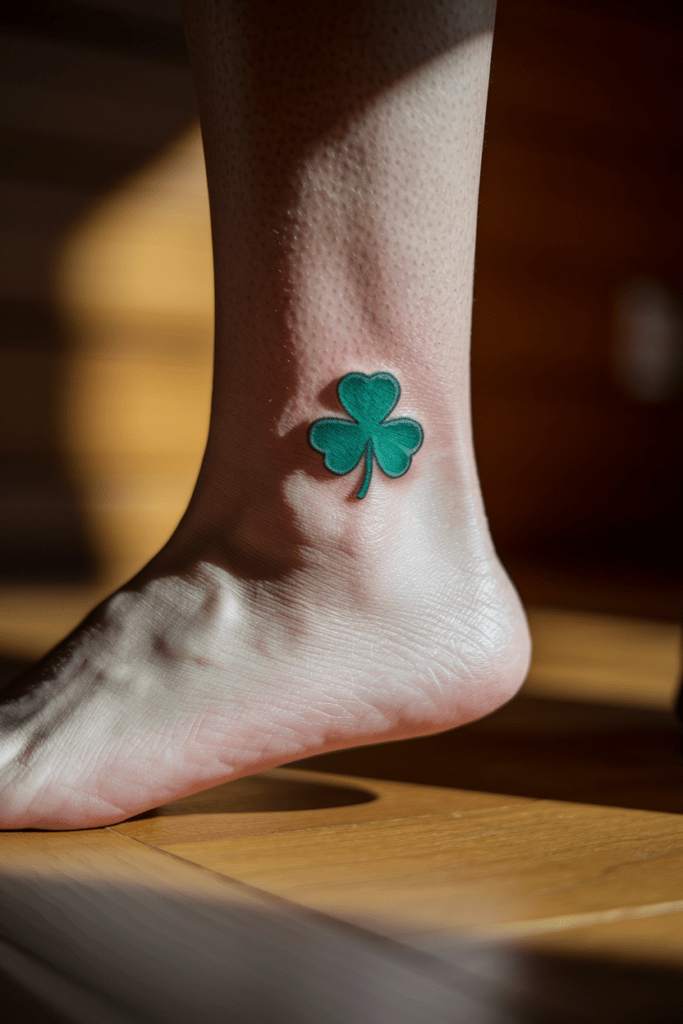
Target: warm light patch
{"type": "Point", "coordinates": [135, 287]}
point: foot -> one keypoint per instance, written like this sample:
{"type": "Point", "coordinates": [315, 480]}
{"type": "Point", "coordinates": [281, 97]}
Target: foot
{"type": "Point", "coordinates": [286, 617]}
{"type": "Point", "coordinates": [259, 636]}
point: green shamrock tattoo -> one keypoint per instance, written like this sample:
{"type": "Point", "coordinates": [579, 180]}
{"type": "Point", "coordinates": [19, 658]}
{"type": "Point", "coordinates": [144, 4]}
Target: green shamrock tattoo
{"type": "Point", "coordinates": [369, 399]}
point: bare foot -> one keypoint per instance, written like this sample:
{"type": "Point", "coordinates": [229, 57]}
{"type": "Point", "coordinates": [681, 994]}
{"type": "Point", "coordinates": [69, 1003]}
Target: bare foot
{"type": "Point", "coordinates": [286, 617]}
{"type": "Point", "coordinates": [395, 622]}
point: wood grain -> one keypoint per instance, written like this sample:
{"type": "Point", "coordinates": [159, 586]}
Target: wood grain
{"type": "Point", "coordinates": [289, 800]}
{"type": "Point", "coordinates": [514, 902]}
{"type": "Point", "coordinates": [102, 927]}
{"type": "Point", "coordinates": [102, 855]}
{"type": "Point", "coordinates": [461, 868]}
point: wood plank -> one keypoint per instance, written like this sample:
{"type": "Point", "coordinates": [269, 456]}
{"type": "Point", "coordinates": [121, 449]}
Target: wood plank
{"type": "Point", "coordinates": [461, 869]}
{"type": "Point", "coordinates": [104, 855]}
{"type": "Point", "coordinates": [101, 927]}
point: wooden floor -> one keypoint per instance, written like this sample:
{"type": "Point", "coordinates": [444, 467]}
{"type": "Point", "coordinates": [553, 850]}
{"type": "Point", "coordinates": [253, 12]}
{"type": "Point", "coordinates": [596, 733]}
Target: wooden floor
{"type": "Point", "coordinates": [525, 868]}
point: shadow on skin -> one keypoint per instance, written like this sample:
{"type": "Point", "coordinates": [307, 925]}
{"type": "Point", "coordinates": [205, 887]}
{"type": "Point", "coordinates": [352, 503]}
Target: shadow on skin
{"type": "Point", "coordinates": [295, 451]}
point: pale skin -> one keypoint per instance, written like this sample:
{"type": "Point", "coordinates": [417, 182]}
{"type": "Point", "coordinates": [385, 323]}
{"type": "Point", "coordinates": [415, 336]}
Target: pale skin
{"type": "Point", "coordinates": [285, 617]}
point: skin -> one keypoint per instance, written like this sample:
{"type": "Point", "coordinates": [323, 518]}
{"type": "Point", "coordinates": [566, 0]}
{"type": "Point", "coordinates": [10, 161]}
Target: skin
{"type": "Point", "coordinates": [285, 617]}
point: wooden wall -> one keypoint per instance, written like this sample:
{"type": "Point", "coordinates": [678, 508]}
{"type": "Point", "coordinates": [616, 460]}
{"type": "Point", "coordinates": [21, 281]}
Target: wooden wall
{"type": "Point", "coordinates": [581, 193]}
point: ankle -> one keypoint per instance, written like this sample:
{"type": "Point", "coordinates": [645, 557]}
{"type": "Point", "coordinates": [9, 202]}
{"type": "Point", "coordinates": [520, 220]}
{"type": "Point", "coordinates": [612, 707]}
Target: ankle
{"type": "Point", "coordinates": [307, 533]}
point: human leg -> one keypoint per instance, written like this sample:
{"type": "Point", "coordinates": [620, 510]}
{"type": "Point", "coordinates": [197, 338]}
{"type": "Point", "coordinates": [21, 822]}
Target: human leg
{"type": "Point", "coordinates": [285, 617]}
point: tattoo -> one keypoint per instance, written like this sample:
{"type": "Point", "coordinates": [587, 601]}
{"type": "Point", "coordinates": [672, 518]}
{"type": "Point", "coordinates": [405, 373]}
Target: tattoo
{"type": "Point", "coordinates": [369, 400]}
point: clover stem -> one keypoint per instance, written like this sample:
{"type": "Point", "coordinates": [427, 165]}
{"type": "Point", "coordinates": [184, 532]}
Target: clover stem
{"type": "Point", "coordinates": [369, 452]}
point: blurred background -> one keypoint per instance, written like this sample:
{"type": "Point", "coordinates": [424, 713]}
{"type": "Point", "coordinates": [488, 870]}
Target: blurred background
{"type": "Point", "coordinates": [106, 326]}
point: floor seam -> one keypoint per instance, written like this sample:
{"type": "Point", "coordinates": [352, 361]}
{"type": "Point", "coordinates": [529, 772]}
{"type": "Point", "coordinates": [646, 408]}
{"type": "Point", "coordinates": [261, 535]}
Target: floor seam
{"type": "Point", "coordinates": [283, 903]}
{"type": "Point", "coordinates": [507, 930]}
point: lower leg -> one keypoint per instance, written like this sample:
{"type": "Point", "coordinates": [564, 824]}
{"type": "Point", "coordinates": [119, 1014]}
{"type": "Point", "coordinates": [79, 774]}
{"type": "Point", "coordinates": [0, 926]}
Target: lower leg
{"type": "Point", "coordinates": [343, 182]}
{"type": "Point", "coordinates": [284, 617]}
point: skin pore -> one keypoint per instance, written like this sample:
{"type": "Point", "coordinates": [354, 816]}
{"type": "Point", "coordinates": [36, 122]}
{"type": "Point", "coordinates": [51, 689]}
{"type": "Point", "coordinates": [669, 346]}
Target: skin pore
{"type": "Point", "coordinates": [285, 617]}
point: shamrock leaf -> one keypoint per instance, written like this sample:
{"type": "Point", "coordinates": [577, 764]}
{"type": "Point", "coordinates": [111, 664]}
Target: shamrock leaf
{"type": "Point", "coordinates": [369, 399]}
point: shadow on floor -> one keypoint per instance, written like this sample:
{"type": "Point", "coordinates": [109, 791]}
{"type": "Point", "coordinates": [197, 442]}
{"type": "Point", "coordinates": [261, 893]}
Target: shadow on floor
{"type": "Point", "coordinates": [557, 750]}
{"type": "Point", "coordinates": [259, 794]}
{"type": "Point", "coordinates": [10, 668]}
{"type": "Point", "coordinates": [130, 953]}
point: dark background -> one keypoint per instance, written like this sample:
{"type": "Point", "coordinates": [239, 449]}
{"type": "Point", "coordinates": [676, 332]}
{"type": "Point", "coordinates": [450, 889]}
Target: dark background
{"type": "Point", "coordinates": [581, 201]}
{"type": "Point", "coordinates": [581, 198]}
